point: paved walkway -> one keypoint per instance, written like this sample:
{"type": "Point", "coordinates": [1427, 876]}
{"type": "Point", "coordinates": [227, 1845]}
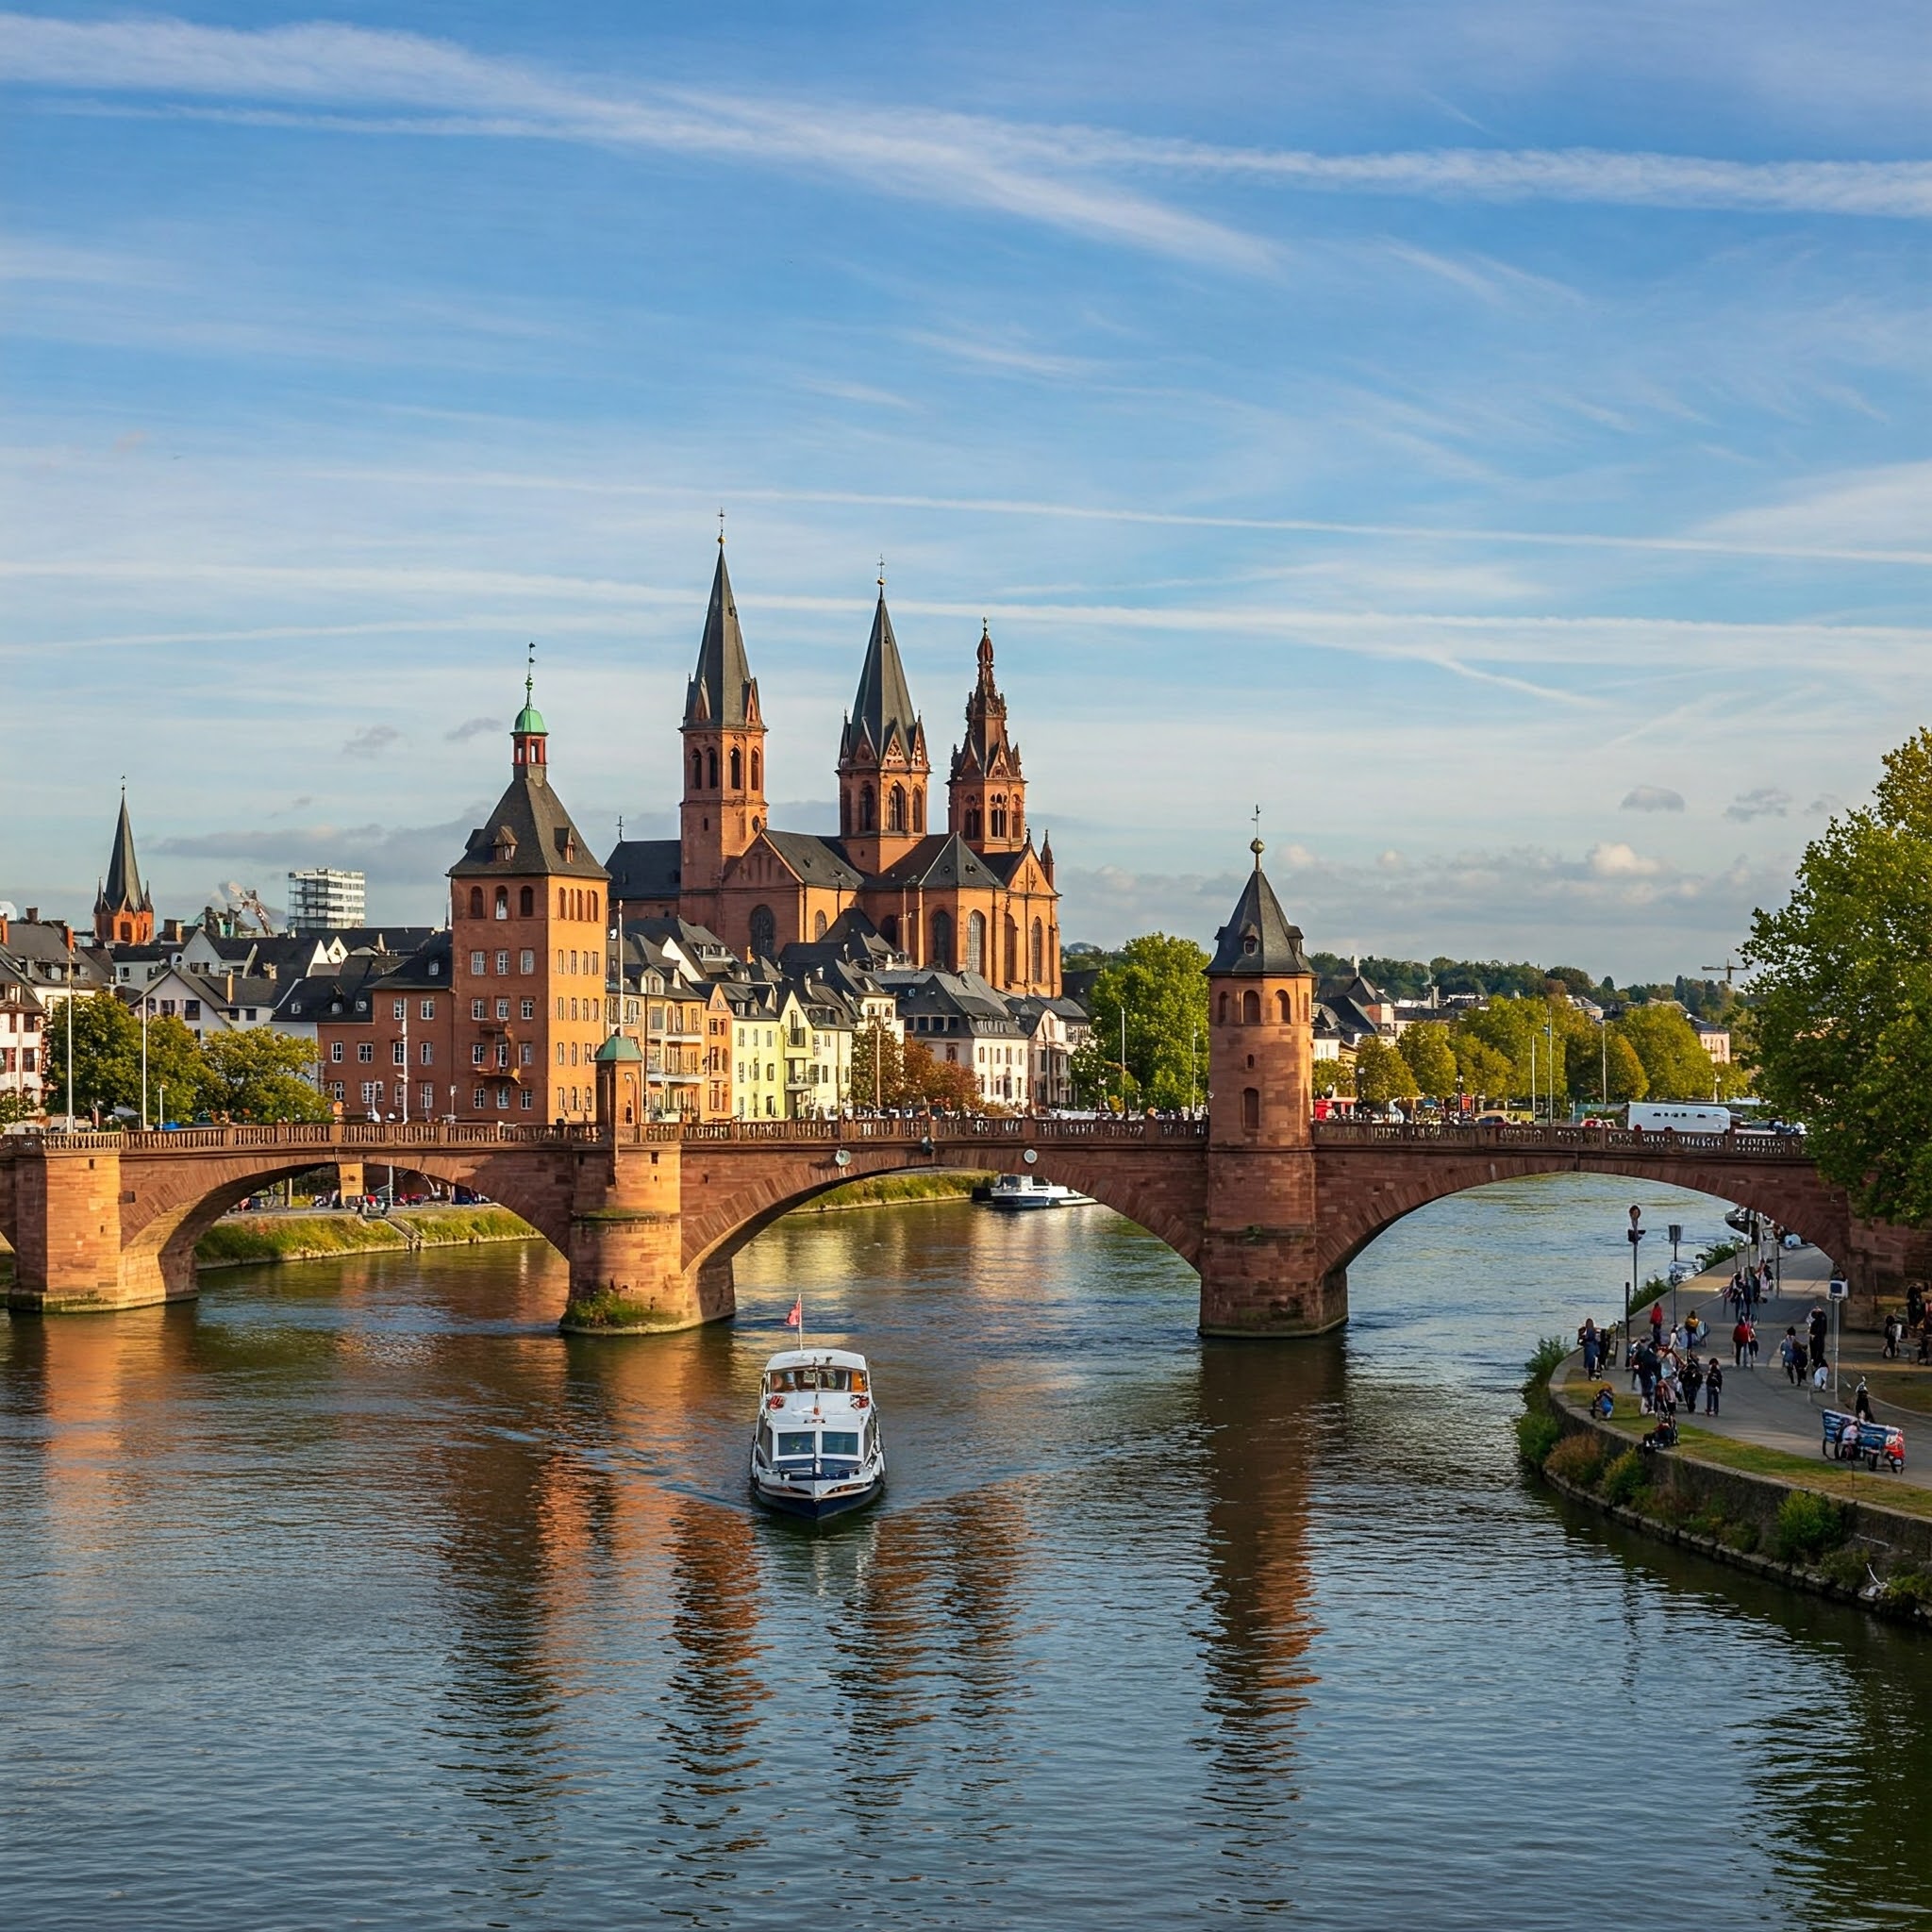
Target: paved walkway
{"type": "Point", "coordinates": [1759, 1405]}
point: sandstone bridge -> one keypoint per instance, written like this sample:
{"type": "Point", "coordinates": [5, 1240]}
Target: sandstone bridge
{"type": "Point", "coordinates": [110, 1221]}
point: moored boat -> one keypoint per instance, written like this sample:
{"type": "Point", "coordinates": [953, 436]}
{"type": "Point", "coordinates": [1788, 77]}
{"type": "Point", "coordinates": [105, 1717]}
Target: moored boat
{"type": "Point", "coordinates": [816, 1450]}
{"type": "Point", "coordinates": [1021, 1192]}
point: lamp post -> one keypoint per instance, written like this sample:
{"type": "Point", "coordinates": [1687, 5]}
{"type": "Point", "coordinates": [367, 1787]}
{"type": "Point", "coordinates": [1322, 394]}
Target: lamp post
{"type": "Point", "coordinates": [1675, 1232]}
{"type": "Point", "coordinates": [1634, 1235]}
{"type": "Point", "coordinates": [145, 1004]}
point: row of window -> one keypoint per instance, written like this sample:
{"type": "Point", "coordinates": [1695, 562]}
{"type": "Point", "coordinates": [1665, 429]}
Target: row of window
{"type": "Point", "coordinates": [704, 769]}
{"type": "Point", "coordinates": [28, 1058]}
{"type": "Point", "coordinates": [573, 901]}
{"type": "Point", "coordinates": [903, 813]}
{"type": "Point", "coordinates": [22, 1023]}
{"type": "Point", "coordinates": [1249, 1011]}
{"type": "Point", "coordinates": [570, 960]}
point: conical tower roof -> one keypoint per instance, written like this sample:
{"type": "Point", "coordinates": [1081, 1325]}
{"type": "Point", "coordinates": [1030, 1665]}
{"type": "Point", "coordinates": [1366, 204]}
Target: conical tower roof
{"type": "Point", "coordinates": [722, 690]}
{"type": "Point", "coordinates": [1257, 938]}
{"type": "Point", "coordinates": [123, 891]}
{"type": "Point", "coordinates": [883, 706]}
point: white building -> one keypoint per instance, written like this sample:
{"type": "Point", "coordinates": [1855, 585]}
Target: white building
{"type": "Point", "coordinates": [322, 899]}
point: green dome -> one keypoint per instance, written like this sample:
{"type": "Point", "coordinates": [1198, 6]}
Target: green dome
{"type": "Point", "coordinates": [620, 1046]}
{"type": "Point", "coordinates": [529, 720]}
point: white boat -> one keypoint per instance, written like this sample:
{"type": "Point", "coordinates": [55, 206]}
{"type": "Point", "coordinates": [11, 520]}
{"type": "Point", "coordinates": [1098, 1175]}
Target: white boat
{"type": "Point", "coordinates": [1022, 1193]}
{"type": "Point", "coordinates": [816, 1450]}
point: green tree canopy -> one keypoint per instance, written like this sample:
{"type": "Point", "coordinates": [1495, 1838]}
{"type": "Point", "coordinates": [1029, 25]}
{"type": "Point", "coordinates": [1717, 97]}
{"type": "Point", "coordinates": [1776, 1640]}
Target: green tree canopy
{"type": "Point", "coordinates": [1843, 983]}
{"type": "Point", "coordinates": [1430, 1057]}
{"type": "Point", "coordinates": [255, 1074]}
{"type": "Point", "coordinates": [1675, 1066]}
{"type": "Point", "coordinates": [1333, 1079]}
{"type": "Point", "coordinates": [106, 1060]}
{"type": "Point", "coordinates": [1161, 982]}
{"type": "Point", "coordinates": [1381, 1073]}
{"type": "Point", "coordinates": [1485, 1072]}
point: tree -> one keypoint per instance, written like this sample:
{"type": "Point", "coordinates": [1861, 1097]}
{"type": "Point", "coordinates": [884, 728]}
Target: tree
{"type": "Point", "coordinates": [1843, 985]}
{"type": "Point", "coordinates": [255, 1074]}
{"type": "Point", "coordinates": [933, 1082]}
{"type": "Point", "coordinates": [1675, 1066]}
{"type": "Point", "coordinates": [1485, 1072]}
{"type": "Point", "coordinates": [878, 1066]}
{"type": "Point", "coordinates": [1430, 1057]}
{"type": "Point", "coordinates": [1161, 983]}
{"type": "Point", "coordinates": [1381, 1073]}
{"type": "Point", "coordinates": [1332, 1078]}
{"type": "Point", "coordinates": [106, 1060]}
{"type": "Point", "coordinates": [1627, 1080]}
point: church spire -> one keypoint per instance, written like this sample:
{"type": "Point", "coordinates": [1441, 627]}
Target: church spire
{"type": "Point", "coordinates": [722, 690]}
{"type": "Point", "coordinates": [529, 736]}
{"type": "Point", "coordinates": [987, 794]}
{"type": "Point", "coordinates": [883, 767]}
{"type": "Point", "coordinates": [124, 910]}
{"type": "Point", "coordinates": [724, 806]}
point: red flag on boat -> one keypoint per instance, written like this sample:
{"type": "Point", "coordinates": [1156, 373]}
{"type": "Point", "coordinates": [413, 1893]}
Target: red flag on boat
{"type": "Point", "coordinates": [796, 1318]}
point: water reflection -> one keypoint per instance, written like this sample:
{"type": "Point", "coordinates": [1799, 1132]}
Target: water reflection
{"type": "Point", "coordinates": [474, 1625]}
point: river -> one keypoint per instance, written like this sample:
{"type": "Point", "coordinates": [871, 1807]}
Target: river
{"type": "Point", "coordinates": [352, 1594]}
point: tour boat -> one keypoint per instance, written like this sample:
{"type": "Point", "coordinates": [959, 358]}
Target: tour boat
{"type": "Point", "coordinates": [817, 1451]}
{"type": "Point", "coordinates": [1018, 1192]}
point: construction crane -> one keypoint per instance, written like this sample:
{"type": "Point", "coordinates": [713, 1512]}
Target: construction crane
{"type": "Point", "coordinates": [246, 899]}
{"type": "Point", "coordinates": [1727, 969]}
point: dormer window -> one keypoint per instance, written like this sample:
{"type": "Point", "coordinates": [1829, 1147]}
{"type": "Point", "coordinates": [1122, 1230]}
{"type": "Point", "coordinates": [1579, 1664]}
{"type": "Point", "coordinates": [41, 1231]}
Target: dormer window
{"type": "Point", "coordinates": [504, 846]}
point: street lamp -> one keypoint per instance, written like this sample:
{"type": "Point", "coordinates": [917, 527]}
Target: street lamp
{"type": "Point", "coordinates": [1634, 1235]}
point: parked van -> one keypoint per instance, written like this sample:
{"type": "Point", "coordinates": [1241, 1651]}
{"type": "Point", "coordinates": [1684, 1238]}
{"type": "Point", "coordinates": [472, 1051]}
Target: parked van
{"type": "Point", "coordinates": [1656, 1116]}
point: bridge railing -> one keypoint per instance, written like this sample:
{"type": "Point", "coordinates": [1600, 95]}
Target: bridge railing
{"type": "Point", "coordinates": [1558, 1139]}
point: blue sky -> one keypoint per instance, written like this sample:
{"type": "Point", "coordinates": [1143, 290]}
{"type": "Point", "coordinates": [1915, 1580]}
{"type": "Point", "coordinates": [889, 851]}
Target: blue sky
{"type": "Point", "coordinates": [1493, 438]}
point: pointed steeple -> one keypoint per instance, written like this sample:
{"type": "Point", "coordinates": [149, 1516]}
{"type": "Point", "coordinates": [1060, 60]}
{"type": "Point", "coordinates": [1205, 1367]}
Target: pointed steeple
{"type": "Point", "coordinates": [1257, 938]}
{"type": "Point", "coordinates": [722, 690]}
{"type": "Point", "coordinates": [124, 910]}
{"type": "Point", "coordinates": [882, 709]}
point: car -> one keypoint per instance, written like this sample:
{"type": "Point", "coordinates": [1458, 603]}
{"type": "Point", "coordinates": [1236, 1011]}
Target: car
{"type": "Point", "coordinates": [1492, 1120]}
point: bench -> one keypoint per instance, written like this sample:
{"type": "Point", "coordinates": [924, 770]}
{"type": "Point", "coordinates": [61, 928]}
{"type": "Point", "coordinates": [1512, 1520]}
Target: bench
{"type": "Point", "coordinates": [1848, 1439]}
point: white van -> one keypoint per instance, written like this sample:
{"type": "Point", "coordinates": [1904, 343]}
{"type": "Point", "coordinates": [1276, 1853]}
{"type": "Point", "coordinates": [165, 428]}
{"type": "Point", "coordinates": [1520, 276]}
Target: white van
{"type": "Point", "coordinates": [1654, 1116]}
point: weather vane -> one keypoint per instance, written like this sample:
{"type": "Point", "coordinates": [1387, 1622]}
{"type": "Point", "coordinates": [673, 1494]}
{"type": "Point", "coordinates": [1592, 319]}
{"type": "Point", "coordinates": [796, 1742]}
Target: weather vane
{"type": "Point", "coordinates": [882, 573]}
{"type": "Point", "coordinates": [721, 527]}
{"type": "Point", "coordinates": [530, 674]}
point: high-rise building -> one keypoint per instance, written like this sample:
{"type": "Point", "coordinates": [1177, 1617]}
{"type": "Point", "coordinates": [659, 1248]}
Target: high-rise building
{"type": "Point", "coordinates": [322, 899]}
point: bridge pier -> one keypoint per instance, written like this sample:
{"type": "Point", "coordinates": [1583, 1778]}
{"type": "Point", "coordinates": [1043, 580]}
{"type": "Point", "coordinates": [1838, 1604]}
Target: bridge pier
{"type": "Point", "coordinates": [627, 1237]}
{"type": "Point", "coordinates": [68, 1254]}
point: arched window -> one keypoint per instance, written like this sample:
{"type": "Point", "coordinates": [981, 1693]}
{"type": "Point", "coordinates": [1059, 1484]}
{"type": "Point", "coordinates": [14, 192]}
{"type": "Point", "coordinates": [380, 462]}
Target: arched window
{"type": "Point", "coordinates": [765, 933]}
{"type": "Point", "coordinates": [818, 925]}
{"type": "Point", "coordinates": [591, 898]}
{"type": "Point", "coordinates": [996, 819]}
{"type": "Point", "coordinates": [1285, 1007]}
{"type": "Point", "coordinates": [845, 813]}
{"type": "Point", "coordinates": [526, 903]}
{"type": "Point", "coordinates": [1224, 1010]}
{"type": "Point", "coordinates": [889, 928]}
{"type": "Point", "coordinates": [867, 818]}
{"type": "Point", "coordinates": [1251, 1108]}
{"type": "Point", "coordinates": [697, 771]}
{"type": "Point", "coordinates": [736, 769]}
{"type": "Point", "coordinates": [941, 953]}
{"type": "Point", "coordinates": [971, 822]}
{"type": "Point", "coordinates": [1009, 953]}
{"type": "Point", "coordinates": [895, 809]}
{"type": "Point", "coordinates": [757, 772]}
{"type": "Point", "coordinates": [712, 766]}
{"type": "Point", "coordinates": [1251, 1007]}
{"type": "Point", "coordinates": [975, 943]}
{"type": "Point", "coordinates": [1017, 826]}
{"type": "Point", "coordinates": [502, 910]}
{"type": "Point", "coordinates": [1039, 954]}
{"type": "Point", "coordinates": [476, 902]}
{"type": "Point", "coordinates": [919, 807]}
{"type": "Point", "coordinates": [563, 902]}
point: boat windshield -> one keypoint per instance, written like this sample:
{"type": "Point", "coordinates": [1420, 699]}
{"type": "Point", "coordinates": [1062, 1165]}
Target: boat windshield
{"type": "Point", "coordinates": [841, 1441]}
{"type": "Point", "coordinates": [791, 1381]}
{"type": "Point", "coordinates": [795, 1442]}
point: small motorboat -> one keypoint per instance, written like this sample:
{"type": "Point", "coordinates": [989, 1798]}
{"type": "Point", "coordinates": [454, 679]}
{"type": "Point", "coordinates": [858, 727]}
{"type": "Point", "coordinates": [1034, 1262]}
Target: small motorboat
{"type": "Point", "coordinates": [816, 1450]}
{"type": "Point", "coordinates": [1022, 1193]}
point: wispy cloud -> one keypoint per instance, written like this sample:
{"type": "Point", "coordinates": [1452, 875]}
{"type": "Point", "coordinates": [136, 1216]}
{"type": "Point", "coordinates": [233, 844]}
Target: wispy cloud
{"type": "Point", "coordinates": [371, 741]}
{"type": "Point", "coordinates": [469, 728]}
{"type": "Point", "coordinates": [1763, 802]}
{"type": "Point", "coordinates": [1652, 798]}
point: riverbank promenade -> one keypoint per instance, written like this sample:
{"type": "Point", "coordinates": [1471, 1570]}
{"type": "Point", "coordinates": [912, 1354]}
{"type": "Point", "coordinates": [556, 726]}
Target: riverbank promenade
{"type": "Point", "coordinates": [1763, 1406]}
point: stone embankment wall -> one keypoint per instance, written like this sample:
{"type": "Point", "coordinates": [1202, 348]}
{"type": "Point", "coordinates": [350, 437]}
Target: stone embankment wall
{"type": "Point", "coordinates": [1865, 1553]}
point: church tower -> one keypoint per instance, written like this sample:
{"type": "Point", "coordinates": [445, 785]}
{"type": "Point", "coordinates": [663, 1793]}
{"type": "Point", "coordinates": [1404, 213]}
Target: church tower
{"type": "Point", "coordinates": [985, 793]}
{"type": "Point", "coordinates": [724, 807]}
{"type": "Point", "coordinates": [527, 949]}
{"type": "Point", "coordinates": [124, 910]}
{"type": "Point", "coordinates": [1258, 1275]}
{"type": "Point", "coordinates": [883, 769]}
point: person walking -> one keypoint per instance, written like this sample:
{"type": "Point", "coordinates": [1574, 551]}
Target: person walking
{"type": "Point", "coordinates": [1861, 1401]}
{"type": "Point", "coordinates": [1740, 1340]}
{"type": "Point", "coordinates": [1656, 1324]}
{"type": "Point", "coordinates": [1713, 1387]}
{"type": "Point", "coordinates": [1694, 1382]}
{"type": "Point", "coordinates": [1592, 1344]}
{"type": "Point", "coordinates": [1791, 1353]}
{"type": "Point", "coordinates": [1751, 1346]}
{"type": "Point", "coordinates": [1819, 1324]}
{"type": "Point", "coordinates": [1889, 1352]}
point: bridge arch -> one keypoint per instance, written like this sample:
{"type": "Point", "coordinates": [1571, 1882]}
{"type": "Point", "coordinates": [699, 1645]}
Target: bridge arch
{"type": "Point", "coordinates": [729, 1200]}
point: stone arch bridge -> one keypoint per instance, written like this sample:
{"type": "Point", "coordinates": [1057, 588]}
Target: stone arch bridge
{"type": "Point", "coordinates": [110, 1221]}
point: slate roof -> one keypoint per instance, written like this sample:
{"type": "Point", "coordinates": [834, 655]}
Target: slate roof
{"type": "Point", "coordinates": [817, 861]}
{"type": "Point", "coordinates": [882, 712]}
{"type": "Point", "coordinates": [334, 995]}
{"type": "Point", "coordinates": [1257, 938]}
{"type": "Point", "coordinates": [722, 689]}
{"type": "Point", "coordinates": [39, 949]}
{"type": "Point", "coordinates": [941, 859]}
{"type": "Point", "coordinates": [644, 869]}
{"type": "Point", "coordinates": [123, 891]}
{"type": "Point", "coordinates": [528, 833]}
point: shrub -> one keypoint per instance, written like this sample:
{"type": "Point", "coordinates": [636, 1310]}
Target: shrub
{"type": "Point", "coordinates": [1549, 1351]}
{"type": "Point", "coordinates": [1578, 1460]}
{"type": "Point", "coordinates": [1846, 1567]}
{"type": "Point", "coordinates": [1808, 1524]}
{"type": "Point", "coordinates": [1741, 1536]}
{"type": "Point", "coordinates": [1536, 1436]}
{"type": "Point", "coordinates": [607, 1308]}
{"type": "Point", "coordinates": [1909, 1588]}
{"type": "Point", "coordinates": [1625, 1477]}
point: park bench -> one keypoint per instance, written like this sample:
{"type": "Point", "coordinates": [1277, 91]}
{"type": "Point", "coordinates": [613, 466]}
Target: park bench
{"type": "Point", "coordinates": [1848, 1439]}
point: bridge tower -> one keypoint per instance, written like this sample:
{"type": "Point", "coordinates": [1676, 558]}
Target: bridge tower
{"type": "Point", "coordinates": [1258, 1273]}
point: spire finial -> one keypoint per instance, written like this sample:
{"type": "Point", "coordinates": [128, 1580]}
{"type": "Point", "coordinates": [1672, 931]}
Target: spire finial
{"type": "Point", "coordinates": [882, 576]}
{"type": "Point", "coordinates": [530, 674]}
{"type": "Point", "coordinates": [1256, 847]}
{"type": "Point", "coordinates": [721, 527]}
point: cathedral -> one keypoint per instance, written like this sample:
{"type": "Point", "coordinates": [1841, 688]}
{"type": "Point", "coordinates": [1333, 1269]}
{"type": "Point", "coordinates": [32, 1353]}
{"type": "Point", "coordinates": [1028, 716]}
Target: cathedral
{"type": "Point", "coordinates": [974, 897]}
